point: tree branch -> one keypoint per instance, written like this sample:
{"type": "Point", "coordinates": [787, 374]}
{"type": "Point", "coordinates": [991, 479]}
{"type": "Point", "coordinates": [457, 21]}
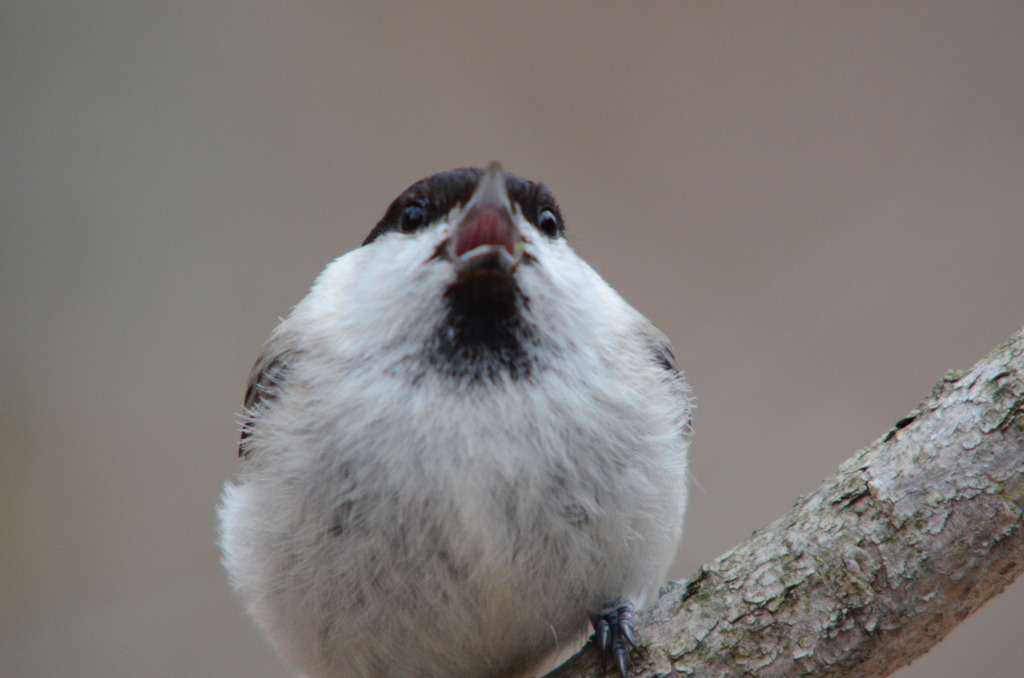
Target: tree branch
{"type": "Point", "coordinates": [907, 539]}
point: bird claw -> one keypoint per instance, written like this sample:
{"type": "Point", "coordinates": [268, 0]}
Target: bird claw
{"type": "Point", "coordinates": [613, 633]}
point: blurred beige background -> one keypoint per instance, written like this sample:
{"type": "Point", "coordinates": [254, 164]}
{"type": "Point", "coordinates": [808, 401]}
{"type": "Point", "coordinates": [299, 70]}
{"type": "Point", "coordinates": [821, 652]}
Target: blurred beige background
{"type": "Point", "coordinates": [821, 203]}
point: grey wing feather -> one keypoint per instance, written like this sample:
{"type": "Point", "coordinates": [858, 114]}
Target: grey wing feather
{"type": "Point", "coordinates": [266, 379]}
{"type": "Point", "coordinates": [660, 347]}
{"type": "Point", "coordinates": [661, 353]}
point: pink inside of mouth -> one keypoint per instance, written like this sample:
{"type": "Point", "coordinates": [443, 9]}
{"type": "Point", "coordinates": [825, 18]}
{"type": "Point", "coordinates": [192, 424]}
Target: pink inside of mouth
{"type": "Point", "coordinates": [485, 225]}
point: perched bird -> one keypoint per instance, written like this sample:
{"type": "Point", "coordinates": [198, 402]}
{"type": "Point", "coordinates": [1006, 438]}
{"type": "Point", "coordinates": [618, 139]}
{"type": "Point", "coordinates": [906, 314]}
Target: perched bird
{"type": "Point", "coordinates": [460, 448]}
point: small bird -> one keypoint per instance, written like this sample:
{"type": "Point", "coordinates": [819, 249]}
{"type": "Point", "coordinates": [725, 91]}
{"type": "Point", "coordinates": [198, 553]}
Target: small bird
{"type": "Point", "coordinates": [459, 449]}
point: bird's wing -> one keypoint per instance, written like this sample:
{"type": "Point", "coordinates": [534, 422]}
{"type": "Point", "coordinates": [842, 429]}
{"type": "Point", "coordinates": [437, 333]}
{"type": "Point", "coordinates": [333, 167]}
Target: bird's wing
{"type": "Point", "coordinates": [659, 347]}
{"type": "Point", "coordinates": [660, 350]}
{"type": "Point", "coordinates": [266, 379]}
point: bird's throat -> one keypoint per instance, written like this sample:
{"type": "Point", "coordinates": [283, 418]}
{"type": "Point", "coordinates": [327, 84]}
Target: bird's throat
{"type": "Point", "coordinates": [483, 335]}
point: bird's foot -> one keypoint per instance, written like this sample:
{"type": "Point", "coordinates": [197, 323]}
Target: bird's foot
{"type": "Point", "coordinates": [613, 633]}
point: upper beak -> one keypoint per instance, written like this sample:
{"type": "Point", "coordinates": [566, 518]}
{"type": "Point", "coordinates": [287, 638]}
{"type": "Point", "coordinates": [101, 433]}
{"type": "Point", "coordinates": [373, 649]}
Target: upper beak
{"type": "Point", "coordinates": [487, 235]}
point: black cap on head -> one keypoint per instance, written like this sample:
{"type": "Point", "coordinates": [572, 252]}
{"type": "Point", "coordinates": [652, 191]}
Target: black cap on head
{"type": "Point", "coordinates": [430, 199]}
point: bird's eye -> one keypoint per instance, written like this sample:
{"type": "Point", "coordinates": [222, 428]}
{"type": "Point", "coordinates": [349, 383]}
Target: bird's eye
{"type": "Point", "coordinates": [547, 221]}
{"type": "Point", "coordinates": [414, 217]}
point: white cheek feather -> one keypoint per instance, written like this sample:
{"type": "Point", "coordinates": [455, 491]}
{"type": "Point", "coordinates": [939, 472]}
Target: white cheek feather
{"type": "Point", "coordinates": [392, 522]}
{"type": "Point", "coordinates": [369, 299]}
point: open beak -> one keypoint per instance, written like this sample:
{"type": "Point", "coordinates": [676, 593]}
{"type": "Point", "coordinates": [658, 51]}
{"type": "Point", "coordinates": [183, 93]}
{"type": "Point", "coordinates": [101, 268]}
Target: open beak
{"type": "Point", "coordinates": [487, 238]}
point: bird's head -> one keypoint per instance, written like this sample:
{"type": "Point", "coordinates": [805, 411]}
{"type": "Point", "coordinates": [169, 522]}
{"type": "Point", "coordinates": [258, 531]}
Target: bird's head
{"type": "Point", "coordinates": [468, 273]}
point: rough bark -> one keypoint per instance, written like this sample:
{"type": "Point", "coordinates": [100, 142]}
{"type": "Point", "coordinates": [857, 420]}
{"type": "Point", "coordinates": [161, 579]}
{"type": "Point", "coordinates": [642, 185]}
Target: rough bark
{"type": "Point", "coordinates": [907, 539]}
